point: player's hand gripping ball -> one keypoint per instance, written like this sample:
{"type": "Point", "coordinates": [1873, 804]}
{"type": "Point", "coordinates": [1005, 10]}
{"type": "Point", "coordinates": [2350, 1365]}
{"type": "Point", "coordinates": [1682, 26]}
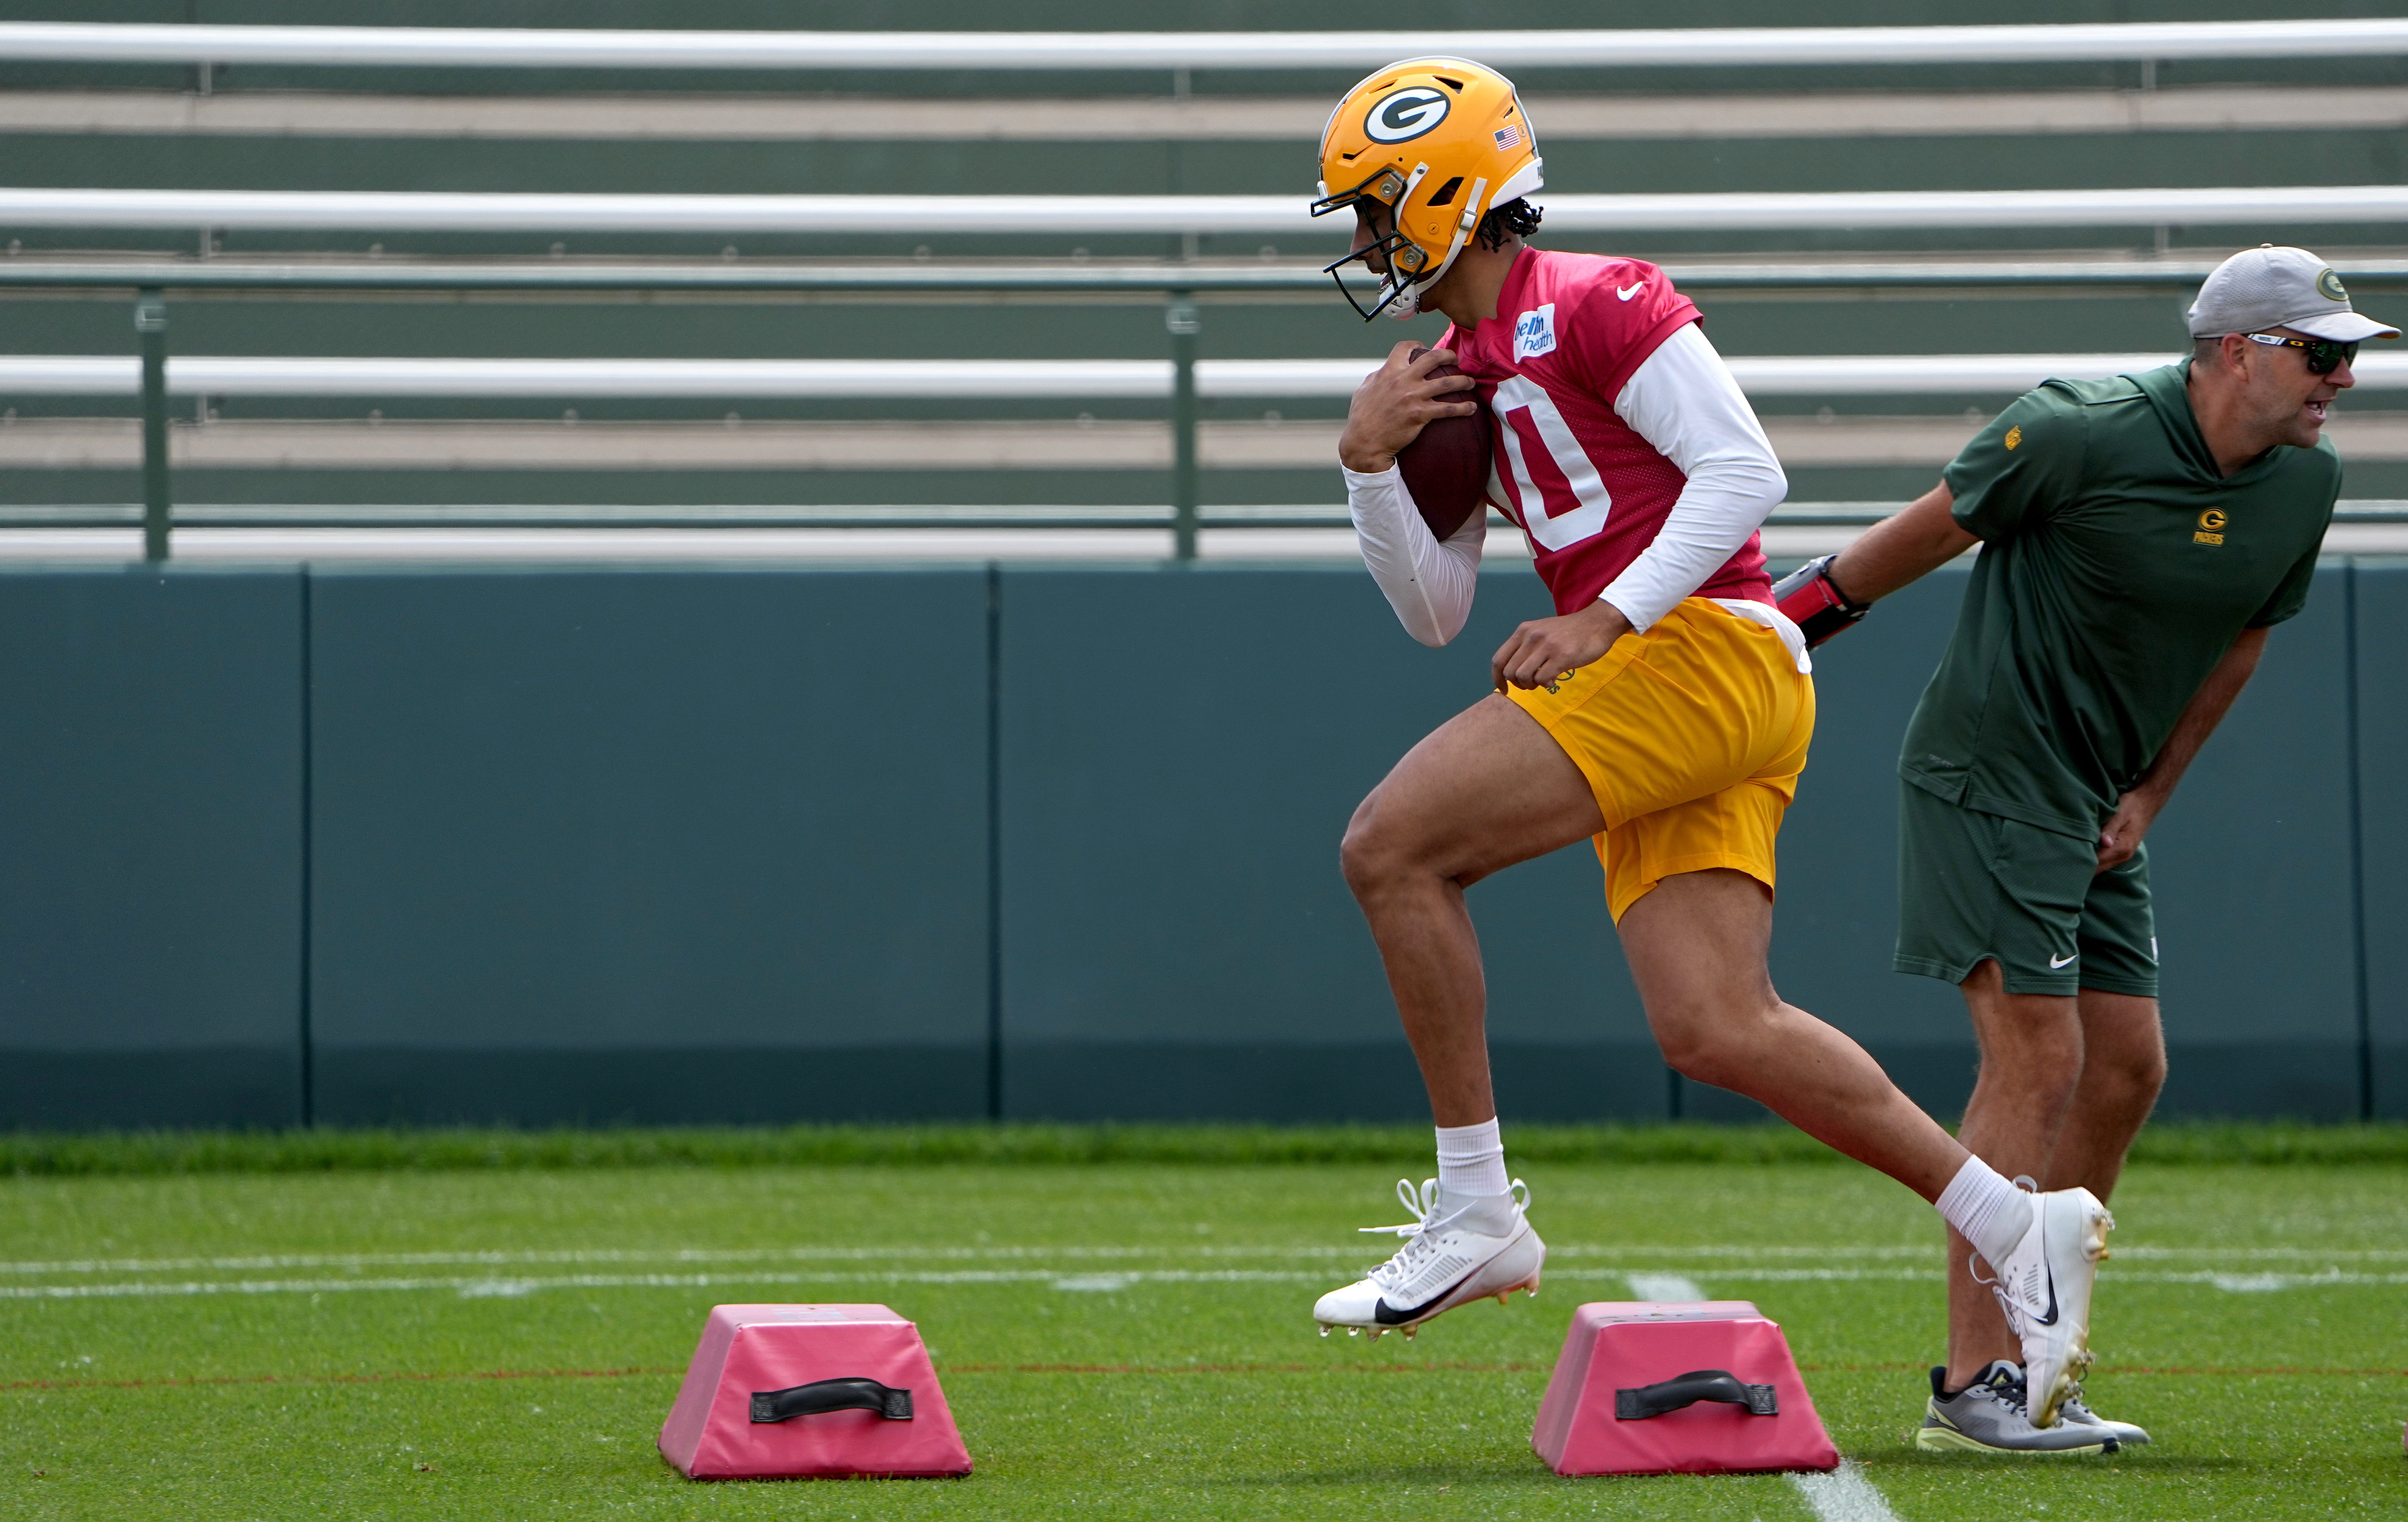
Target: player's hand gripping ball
{"type": "Point", "coordinates": [1421, 411]}
{"type": "Point", "coordinates": [1446, 465]}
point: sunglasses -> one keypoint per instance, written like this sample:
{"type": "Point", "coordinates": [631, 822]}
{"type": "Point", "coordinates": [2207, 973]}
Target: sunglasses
{"type": "Point", "coordinates": [2324, 355]}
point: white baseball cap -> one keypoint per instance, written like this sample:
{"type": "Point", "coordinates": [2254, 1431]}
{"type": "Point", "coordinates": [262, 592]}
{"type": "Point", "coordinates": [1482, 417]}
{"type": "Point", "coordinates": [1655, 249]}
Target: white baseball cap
{"type": "Point", "coordinates": [2266, 287]}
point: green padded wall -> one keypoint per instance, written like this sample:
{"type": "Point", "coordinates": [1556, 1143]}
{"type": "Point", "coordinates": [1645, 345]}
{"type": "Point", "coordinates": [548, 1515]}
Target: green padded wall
{"type": "Point", "coordinates": [659, 844]}
{"type": "Point", "coordinates": [2251, 865]}
{"type": "Point", "coordinates": [1181, 753]}
{"type": "Point", "coordinates": [151, 848]}
{"type": "Point", "coordinates": [2382, 638]}
{"type": "Point", "coordinates": [650, 847]}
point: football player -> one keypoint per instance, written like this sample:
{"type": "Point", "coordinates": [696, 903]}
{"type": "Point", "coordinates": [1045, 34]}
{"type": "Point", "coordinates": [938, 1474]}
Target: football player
{"type": "Point", "coordinates": [1664, 712]}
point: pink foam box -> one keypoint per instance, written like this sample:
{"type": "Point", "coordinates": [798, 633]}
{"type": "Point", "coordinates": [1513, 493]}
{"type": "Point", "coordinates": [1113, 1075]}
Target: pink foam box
{"type": "Point", "coordinates": [1651, 1388]}
{"type": "Point", "coordinates": [823, 1391]}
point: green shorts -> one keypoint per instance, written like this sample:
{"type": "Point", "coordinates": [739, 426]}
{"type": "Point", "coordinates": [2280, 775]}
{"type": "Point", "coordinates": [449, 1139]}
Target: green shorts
{"type": "Point", "coordinates": [1975, 886]}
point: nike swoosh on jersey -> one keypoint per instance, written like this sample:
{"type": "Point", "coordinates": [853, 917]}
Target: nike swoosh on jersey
{"type": "Point", "coordinates": [2056, 963]}
{"type": "Point", "coordinates": [1626, 292]}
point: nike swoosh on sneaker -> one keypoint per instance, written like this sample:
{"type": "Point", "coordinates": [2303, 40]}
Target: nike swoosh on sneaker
{"type": "Point", "coordinates": [1388, 1316]}
{"type": "Point", "coordinates": [1626, 292]}
{"type": "Point", "coordinates": [2049, 1274]}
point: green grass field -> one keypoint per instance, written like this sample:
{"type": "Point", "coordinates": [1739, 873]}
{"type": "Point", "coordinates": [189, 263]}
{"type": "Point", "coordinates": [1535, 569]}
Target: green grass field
{"type": "Point", "coordinates": [1128, 1339]}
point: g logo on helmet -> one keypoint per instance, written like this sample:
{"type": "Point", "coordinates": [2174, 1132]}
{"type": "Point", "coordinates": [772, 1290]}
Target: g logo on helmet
{"type": "Point", "coordinates": [2329, 287]}
{"type": "Point", "coordinates": [1403, 115]}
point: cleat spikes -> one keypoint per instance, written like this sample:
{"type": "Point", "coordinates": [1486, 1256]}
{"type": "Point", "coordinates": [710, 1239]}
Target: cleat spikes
{"type": "Point", "coordinates": [1325, 1331]}
{"type": "Point", "coordinates": [1353, 1331]}
{"type": "Point", "coordinates": [1504, 1296]}
{"type": "Point", "coordinates": [1409, 1332]}
{"type": "Point", "coordinates": [1378, 1332]}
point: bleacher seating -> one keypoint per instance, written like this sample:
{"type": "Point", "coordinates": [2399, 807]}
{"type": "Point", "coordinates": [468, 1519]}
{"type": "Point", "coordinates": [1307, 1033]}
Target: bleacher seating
{"type": "Point", "coordinates": [1623, 144]}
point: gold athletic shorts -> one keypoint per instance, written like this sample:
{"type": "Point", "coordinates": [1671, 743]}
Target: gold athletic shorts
{"type": "Point", "coordinates": [1692, 736]}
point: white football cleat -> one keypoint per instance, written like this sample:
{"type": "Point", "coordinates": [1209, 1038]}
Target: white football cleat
{"type": "Point", "coordinates": [2044, 1288]}
{"type": "Point", "coordinates": [1459, 1250]}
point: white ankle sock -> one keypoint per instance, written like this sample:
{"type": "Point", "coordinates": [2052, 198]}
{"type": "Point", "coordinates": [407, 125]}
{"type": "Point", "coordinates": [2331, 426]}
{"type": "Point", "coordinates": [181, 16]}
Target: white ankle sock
{"type": "Point", "coordinates": [1986, 1209]}
{"type": "Point", "coordinates": [1472, 1159]}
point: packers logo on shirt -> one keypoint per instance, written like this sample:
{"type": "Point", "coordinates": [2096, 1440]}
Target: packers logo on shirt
{"type": "Point", "coordinates": [2210, 527]}
{"type": "Point", "coordinates": [2329, 286]}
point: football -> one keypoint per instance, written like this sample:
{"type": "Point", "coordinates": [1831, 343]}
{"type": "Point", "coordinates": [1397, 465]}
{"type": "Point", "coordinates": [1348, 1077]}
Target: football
{"type": "Point", "coordinates": [1446, 466]}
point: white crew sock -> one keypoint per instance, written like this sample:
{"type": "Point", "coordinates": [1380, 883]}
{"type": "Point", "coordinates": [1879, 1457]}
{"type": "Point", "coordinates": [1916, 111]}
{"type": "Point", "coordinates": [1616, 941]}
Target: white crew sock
{"type": "Point", "coordinates": [1985, 1210]}
{"type": "Point", "coordinates": [1471, 1160]}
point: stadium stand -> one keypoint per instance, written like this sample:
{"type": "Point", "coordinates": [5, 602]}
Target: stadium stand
{"type": "Point", "coordinates": [1928, 149]}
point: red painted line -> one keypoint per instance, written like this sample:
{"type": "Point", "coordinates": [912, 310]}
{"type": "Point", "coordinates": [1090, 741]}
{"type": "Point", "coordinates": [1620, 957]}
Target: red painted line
{"type": "Point", "coordinates": [2200, 1372]}
{"type": "Point", "coordinates": [203, 1381]}
{"type": "Point", "coordinates": [1247, 1368]}
{"type": "Point", "coordinates": [397, 1377]}
{"type": "Point", "coordinates": [2260, 1373]}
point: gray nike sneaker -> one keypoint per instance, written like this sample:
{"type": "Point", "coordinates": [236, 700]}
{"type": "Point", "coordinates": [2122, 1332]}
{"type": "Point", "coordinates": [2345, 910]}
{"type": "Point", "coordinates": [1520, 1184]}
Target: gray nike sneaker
{"type": "Point", "coordinates": [1988, 1416]}
{"type": "Point", "coordinates": [2074, 1412]}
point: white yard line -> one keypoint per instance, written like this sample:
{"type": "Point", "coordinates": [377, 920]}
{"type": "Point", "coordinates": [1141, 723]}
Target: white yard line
{"type": "Point", "coordinates": [1669, 1287]}
{"type": "Point", "coordinates": [1722, 1255]}
{"type": "Point", "coordinates": [1844, 1495]}
{"type": "Point", "coordinates": [496, 1285]}
{"type": "Point", "coordinates": [506, 1257]}
{"type": "Point", "coordinates": [1662, 1285]}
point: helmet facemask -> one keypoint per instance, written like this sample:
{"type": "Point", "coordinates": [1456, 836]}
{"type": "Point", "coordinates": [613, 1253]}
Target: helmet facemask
{"type": "Point", "coordinates": [1377, 198]}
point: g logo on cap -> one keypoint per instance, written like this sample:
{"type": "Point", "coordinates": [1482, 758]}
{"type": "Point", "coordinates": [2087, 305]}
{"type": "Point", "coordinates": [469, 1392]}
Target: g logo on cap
{"type": "Point", "coordinates": [1403, 115]}
{"type": "Point", "coordinates": [2329, 287]}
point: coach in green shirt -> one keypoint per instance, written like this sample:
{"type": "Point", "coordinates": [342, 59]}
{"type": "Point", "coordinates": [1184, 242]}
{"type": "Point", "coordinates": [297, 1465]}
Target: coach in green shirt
{"type": "Point", "coordinates": [2139, 537]}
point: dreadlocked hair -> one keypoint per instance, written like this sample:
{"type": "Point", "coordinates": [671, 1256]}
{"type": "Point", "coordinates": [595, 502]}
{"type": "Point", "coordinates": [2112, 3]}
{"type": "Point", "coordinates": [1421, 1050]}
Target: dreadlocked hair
{"type": "Point", "coordinates": [1517, 217]}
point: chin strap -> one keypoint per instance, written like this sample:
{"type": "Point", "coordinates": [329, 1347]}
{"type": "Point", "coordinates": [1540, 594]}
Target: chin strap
{"type": "Point", "coordinates": [1463, 226]}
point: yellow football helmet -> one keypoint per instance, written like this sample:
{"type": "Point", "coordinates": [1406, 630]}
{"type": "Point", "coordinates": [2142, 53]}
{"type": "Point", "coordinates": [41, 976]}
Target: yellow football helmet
{"type": "Point", "coordinates": [1431, 145]}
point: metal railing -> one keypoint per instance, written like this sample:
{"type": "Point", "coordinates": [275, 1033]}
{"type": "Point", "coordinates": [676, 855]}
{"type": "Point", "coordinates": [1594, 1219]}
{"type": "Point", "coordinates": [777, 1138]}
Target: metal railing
{"type": "Point", "coordinates": [1701, 48]}
{"type": "Point", "coordinates": [834, 378]}
{"type": "Point", "coordinates": [1178, 286]}
{"type": "Point", "coordinates": [451, 211]}
{"type": "Point", "coordinates": [588, 280]}
{"type": "Point", "coordinates": [1184, 378]}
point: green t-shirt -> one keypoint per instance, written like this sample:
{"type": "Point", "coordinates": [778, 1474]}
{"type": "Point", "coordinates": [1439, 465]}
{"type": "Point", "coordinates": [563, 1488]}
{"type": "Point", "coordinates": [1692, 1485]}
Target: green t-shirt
{"type": "Point", "coordinates": [2116, 569]}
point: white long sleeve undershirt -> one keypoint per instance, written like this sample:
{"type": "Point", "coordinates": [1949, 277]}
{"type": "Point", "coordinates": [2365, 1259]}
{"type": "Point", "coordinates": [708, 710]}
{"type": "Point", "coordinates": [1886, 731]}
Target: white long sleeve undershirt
{"type": "Point", "coordinates": [1684, 401]}
{"type": "Point", "coordinates": [1429, 582]}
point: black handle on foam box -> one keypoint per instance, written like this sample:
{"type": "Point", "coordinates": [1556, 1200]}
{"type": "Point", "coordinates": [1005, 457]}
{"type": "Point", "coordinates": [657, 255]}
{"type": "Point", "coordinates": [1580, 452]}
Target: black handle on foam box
{"type": "Point", "coordinates": [832, 1395]}
{"type": "Point", "coordinates": [1687, 1390]}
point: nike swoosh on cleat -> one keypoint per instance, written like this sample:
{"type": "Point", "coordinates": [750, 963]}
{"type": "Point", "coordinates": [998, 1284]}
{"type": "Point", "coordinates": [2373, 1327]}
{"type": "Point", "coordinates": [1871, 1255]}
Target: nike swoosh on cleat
{"type": "Point", "coordinates": [2050, 1274]}
{"type": "Point", "coordinates": [1388, 1316]}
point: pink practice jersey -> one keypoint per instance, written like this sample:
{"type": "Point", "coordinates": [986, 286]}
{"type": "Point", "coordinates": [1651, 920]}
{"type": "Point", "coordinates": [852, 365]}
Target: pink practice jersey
{"type": "Point", "coordinates": [1586, 489]}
